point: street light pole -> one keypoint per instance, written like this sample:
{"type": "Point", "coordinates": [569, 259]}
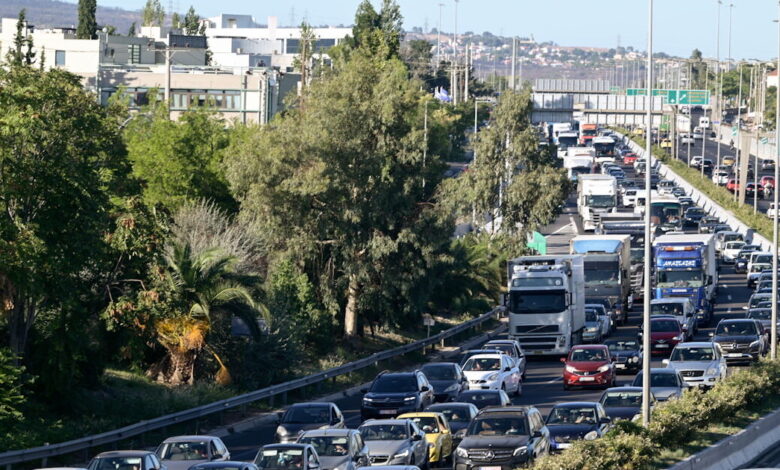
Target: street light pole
{"type": "Point", "coordinates": [438, 39]}
{"type": "Point", "coordinates": [648, 233]}
{"type": "Point", "coordinates": [775, 192]}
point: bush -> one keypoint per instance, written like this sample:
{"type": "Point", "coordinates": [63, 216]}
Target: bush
{"type": "Point", "coordinates": [614, 451]}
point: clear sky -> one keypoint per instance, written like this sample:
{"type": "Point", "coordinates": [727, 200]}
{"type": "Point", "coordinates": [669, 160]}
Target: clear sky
{"type": "Point", "coordinates": [681, 25]}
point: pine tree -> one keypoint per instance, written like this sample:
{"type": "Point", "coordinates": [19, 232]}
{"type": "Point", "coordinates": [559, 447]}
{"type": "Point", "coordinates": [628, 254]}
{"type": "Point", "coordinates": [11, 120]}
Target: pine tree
{"type": "Point", "coordinates": [153, 13]}
{"type": "Point", "coordinates": [87, 21]}
{"type": "Point", "coordinates": [131, 31]}
{"type": "Point", "coordinates": [192, 26]}
{"type": "Point", "coordinates": [175, 21]}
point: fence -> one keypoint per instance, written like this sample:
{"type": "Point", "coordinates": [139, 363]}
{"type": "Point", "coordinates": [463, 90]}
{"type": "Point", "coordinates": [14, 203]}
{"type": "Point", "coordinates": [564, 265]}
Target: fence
{"type": "Point", "coordinates": [42, 453]}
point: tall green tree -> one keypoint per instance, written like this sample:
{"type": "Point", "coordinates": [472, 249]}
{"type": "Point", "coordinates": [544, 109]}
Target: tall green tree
{"type": "Point", "coordinates": [153, 13]}
{"type": "Point", "coordinates": [22, 51]}
{"type": "Point", "coordinates": [343, 184]}
{"type": "Point", "coordinates": [381, 32]}
{"type": "Point", "coordinates": [192, 26]}
{"type": "Point", "coordinates": [87, 26]}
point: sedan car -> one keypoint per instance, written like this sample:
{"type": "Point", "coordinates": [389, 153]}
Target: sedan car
{"type": "Point", "coordinates": [741, 340]}
{"type": "Point", "coordinates": [394, 442]}
{"type": "Point", "coordinates": [182, 452]}
{"type": "Point", "coordinates": [664, 383]}
{"type": "Point", "coordinates": [588, 366]}
{"type": "Point", "coordinates": [122, 459]}
{"type": "Point", "coordinates": [228, 465]}
{"type": "Point", "coordinates": [305, 416]}
{"type": "Point", "coordinates": [485, 398]}
{"type": "Point", "coordinates": [699, 363]}
{"type": "Point", "coordinates": [624, 403]}
{"type": "Point", "coordinates": [573, 421]}
{"type": "Point", "coordinates": [626, 355]}
{"type": "Point", "coordinates": [437, 433]}
{"type": "Point", "coordinates": [458, 415]}
{"type": "Point", "coordinates": [446, 378]}
{"type": "Point", "coordinates": [287, 457]}
{"type": "Point", "coordinates": [493, 372]}
{"type": "Point", "coordinates": [752, 189]}
{"type": "Point", "coordinates": [338, 449]}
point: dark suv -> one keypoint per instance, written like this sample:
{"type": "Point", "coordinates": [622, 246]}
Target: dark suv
{"type": "Point", "coordinates": [392, 394]}
{"type": "Point", "coordinates": [741, 340]}
{"type": "Point", "coordinates": [504, 438]}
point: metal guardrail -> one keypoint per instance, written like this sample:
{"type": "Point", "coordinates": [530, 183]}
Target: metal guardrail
{"type": "Point", "coordinates": [7, 459]}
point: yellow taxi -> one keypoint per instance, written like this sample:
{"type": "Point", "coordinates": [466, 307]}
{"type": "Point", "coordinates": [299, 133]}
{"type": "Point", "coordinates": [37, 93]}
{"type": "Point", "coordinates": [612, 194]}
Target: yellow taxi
{"type": "Point", "coordinates": [666, 144]}
{"type": "Point", "coordinates": [638, 131]}
{"type": "Point", "coordinates": [728, 160]}
{"type": "Point", "coordinates": [438, 434]}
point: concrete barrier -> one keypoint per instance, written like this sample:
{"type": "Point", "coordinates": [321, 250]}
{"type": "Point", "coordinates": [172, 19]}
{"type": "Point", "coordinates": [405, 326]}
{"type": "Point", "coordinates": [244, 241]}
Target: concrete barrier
{"type": "Point", "coordinates": [705, 202]}
{"type": "Point", "coordinates": [740, 449]}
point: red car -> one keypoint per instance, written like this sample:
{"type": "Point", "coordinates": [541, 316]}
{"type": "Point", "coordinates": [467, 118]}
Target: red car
{"type": "Point", "coordinates": [629, 158]}
{"type": "Point", "coordinates": [665, 334]}
{"type": "Point", "coordinates": [588, 366]}
{"type": "Point", "coordinates": [732, 185]}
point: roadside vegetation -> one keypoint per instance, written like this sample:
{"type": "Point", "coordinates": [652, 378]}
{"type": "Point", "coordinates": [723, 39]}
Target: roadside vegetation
{"type": "Point", "coordinates": [179, 262]}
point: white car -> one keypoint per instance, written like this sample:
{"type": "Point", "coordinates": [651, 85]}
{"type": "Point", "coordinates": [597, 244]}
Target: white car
{"type": "Point", "coordinates": [699, 363]}
{"type": "Point", "coordinates": [492, 372]}
{"type": "Point", "coordinates": [686, 139]}
{"type": "Point", "coordinates": [182, 452]}
{"type": "Point", "coordinates": [730, 251]}
{"type": "Point", "coordinates": [666, 187]}
{"type": "Point", "coordinates": [720, 177]}
{"type": "Point", "coordinates": [771, 211]}
{"type": "Point", "coordinates": [696, 161]}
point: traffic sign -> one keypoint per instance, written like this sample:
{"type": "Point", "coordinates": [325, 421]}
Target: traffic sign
{"type": "Point", "coordinates": [734, 131]}
{"type": "Point", "coordinates": [683, 97]}
{"type": "Point", "coordinates": [764, 140]}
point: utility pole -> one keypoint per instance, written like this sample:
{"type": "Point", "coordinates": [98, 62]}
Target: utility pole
{"type": "Point", "coordinates": [438, 39]}
{"type": "Point", "coordinates": [740, 187]}
{"type": "Point", "coordinates": [168, 54]}
{"type": "Point", "coordinates": [648, 232]}
{"type": "Point", "coordinates": [773, 326]}
{"type": "Point", "coordinates": [731, 13]}
{"type": "Point", "coordinates": [514, 61]}
{"type": "Point", "coordinates": [466, 74]}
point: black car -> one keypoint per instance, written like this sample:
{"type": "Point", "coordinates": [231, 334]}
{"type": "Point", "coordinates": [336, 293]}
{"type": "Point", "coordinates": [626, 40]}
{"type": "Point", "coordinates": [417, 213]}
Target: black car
{"type": "Point", "coordinates": [573, 421]}
{"type": "Point", "coordinates": [623, 402]}
{"type": "Point", "coordinates": [751, 189]}
{"type": "Point", "coordinates": [485, 398]}
{"type": "Point", "coordinates": [446, 378]}
{"type": "Point", "coordinates": [459, 416]}
{"type": "Point", "coordinates": [503, 438]}
{"type": "Point", "coordinates": [741, 261]}
{"type": "Point", "coordinates": [626, 353]}
{"type": "Point", "coordinates": [392, 394]}
{"type": "Point", "coordinates": [741, 339]}
{"type": "Point", "coordinates": [707, 166]}
{"type": "Point", "coordinates": [678, 192]}
{"type": "Point", "coordinates": [305, 416]}
{"type": "Point", "coordinates": [692, 216]}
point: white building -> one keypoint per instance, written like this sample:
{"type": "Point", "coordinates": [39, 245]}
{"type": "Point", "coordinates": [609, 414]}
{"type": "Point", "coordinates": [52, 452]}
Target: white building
{"type": "Point", "coordinates": [239, 41]}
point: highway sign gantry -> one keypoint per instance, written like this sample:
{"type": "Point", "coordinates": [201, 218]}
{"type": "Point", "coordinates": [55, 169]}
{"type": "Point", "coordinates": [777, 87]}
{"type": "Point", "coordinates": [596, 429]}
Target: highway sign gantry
{"type": "Point", "coordinates": [683, 97]}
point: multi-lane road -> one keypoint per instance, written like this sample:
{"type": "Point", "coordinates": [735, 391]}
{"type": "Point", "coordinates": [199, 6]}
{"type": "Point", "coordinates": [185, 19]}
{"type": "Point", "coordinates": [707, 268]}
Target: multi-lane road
{"type": "Point", "coordinates": [543, 386]}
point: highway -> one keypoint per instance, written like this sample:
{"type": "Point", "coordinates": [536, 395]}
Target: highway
{"type": "Point", "coordinates": [543, 385]}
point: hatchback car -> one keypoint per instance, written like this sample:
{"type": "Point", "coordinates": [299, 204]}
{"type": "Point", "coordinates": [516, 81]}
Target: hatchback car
{"type": "Point", "coordinates": [731, 251]}
{"type": "Point", "coordinates": [458, 415]}
{"type": "Point", "coordinates": [680, 308]}
{"type": "Point", "coordinates": [626, 355]}
{"type": "Point", "coordinates": [437, 433]}
{"type": "Point", "coordinates": [594, 325]}
{"type": "Point", "coordinates": [568, 422]}
{"type": "Point", "coordinates": [512, 349]}
{"type": "Point", "coordinates": [395, 442]}
{"type": "Point", "coordinates": [126, 459]}
{"type": "Point", "coordinates": [664, 383]}
{"type": "Point", "coordinates": [699, 363]}
{"type": "Point", "coordinates": [287, 457]}
{"type": "Point", "coordinates": [446, 378]}
{"type": "Point", "coordinates": [394, 393]}
{"type": "Point", "coordinates": [305, 416]}
{"type": "Point", "coordinates": [493, 372]}
{"type": "Point", "coordinates": [588, 366]}
{"type": "Point", "coordinates": [182, 452]}
{"type": "Point", "coordinates": [337, 449]}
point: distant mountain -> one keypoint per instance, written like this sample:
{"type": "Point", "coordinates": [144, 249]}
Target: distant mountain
{"type": "Point", "coordinates": [54, 13]}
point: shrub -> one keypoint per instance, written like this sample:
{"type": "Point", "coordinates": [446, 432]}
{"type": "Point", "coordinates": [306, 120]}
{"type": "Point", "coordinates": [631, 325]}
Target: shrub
{"type": "Point", "coordinates": [614, 451]}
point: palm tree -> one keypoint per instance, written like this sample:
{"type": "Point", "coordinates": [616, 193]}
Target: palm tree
{"type": "Point", "coordinates": [206, 285]}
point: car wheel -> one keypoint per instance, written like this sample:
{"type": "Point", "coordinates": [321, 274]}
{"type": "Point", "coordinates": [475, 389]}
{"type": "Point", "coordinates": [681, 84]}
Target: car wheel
{"type": "Point", "coordinates": [566, 387]}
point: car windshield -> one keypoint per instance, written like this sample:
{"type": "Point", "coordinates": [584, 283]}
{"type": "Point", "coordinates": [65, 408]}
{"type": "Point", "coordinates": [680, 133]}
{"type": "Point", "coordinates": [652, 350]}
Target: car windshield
{"type": "Point", "coordinates": [657, 380]}
{"type": "Point", "coordinates": [307, 414]}
{"type": "Point", "coordinates": [757, 299]}
{"type": "Point", "coordinates": [622, 345]}
{"type": "Point", "coordinates": [280, 458]}
{"type": "Point", "coordinates": [572, 415]}
{"type": "Point", "coordinates": [590, 315]}
{"type": "Point", "coordinates": [679, 279]}
{"type": "Point", "coordinates": [509, 426]}
{"type": "Point", "coordinates": [476, 364]}
{"type": "Point", "coordinates": [601, 201]}
{"type": "Point", "coordinates": [394, 384]}
{"type": "Point", "coordinates": [664, 326]}
{"type": "Point", "coordinates": [384, 432]}
{"type": "Point", "coordinates": [537, 301]}
{"type": "Point", "coordinates": [622, 399]}
{"type": "Point", "coordinates": [116, 463]}
{"type": "Point", "coordinates": [191, 450]}
{"type": "Point", "coordinates": [736, 329]}
{"type": "Point", "coordinates": [693, 354]}
{"type": "Point", "coordinates": [507, 349]}
{"type": "Point", "coordinates": [762, 259]}
{"type": "Point", "coordinates": [428, 424]}
{"type": "Point", "coordinates": [666, 309]}
{"type": "Point", "coordinates": [440, 372]}
{"type": "Point", "coordinates": [601, 272]}
{"type": "Point", "coordinates": [734, 245]}
{"type": "Point", "coordinates": [586, 355]}
{"type": "Point", "coordinates": [456, 414]}
{"type": "Point", "coordinates": [760, 314]}
{"type": "Point", "coordinates": [327, 446]}
{"type": "Point", "coordinates": [481, 399]}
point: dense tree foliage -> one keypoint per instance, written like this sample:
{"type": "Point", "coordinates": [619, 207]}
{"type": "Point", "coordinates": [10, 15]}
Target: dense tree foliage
{"type": "Point", "coordinates": [87, 26]}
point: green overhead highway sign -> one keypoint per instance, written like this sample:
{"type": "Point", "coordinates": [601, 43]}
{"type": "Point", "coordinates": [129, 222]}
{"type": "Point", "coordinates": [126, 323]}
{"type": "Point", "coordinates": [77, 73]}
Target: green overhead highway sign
{"type": "Point", "coordinates": [684, 97]}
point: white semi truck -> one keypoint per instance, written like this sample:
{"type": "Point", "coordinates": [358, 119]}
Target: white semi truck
{"type": "Point", "coordinates": [546, 303]}
{"type": "Point", "coordinates": [578, 161]}
{"type": "Point", "coordinates": [596, 194]}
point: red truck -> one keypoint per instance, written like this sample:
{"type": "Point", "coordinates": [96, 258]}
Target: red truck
{"type": "Point", "coordinates": [587, 133]}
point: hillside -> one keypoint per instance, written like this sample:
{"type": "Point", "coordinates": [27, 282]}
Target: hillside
{"type": "Point", "coordinates": [50, 13]}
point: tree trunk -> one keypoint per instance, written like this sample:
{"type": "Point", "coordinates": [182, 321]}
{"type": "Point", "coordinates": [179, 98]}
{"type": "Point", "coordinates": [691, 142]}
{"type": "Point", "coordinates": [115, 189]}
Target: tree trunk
{"type": "Point", "coordinates": [176, 368]}
{"type": "Point", "coordinates": [350, 313]}
{"type": "Point", "coordinates": [21, 317]}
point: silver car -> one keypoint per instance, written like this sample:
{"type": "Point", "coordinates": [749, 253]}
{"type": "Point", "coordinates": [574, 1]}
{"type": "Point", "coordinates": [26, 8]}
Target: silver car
{"type": "Point", "coordinates": [182, 452]}
{"type": "Point", "coordinates": [394, 442]}
{"type": "Point", "coordinates": [699, 363]}
{"type": "Point", "coordinates": [593, 327]}
{"type": "Point", "coordinates": [665, 384]}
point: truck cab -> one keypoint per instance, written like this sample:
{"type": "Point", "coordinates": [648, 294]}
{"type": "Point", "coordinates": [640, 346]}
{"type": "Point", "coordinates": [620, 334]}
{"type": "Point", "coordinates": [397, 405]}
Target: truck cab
{"type": "Point", "coordinates": [596, 194]}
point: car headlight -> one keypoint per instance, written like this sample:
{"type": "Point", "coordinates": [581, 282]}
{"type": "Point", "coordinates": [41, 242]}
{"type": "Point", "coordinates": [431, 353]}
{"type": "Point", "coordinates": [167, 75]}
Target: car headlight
{"type": "Point", "coordinates": [677, 338]}
{"type": "Point", "coordinates": [368, 400]}
{"type": "Point", "coordinates": [591, 329]}
{"type": "Point", "coordinates": [461, 452]}
{"type": "Point", "coordinates": [399, 455]}
{"type": "Point", "coordinates": [604, 368]}
{"type": "Point", "coordinates": [452, 388]}
{"type": "Point", "coordinates": [281, 430]}
{"type": "Point", "coordinates": [492, 376]}
{"type": "Point", "coordinates": [755, 344]}
{"type": "Point", "coordinates": [409, 399]}
{"type": "Point", "coordinates": [591, 436]}
{"type": "Point", "coordinates": [571, 369]}
{"type": "Point", "coordinates": [520, 451]}
{"type": "Point", "coordinates": [712, 371]}
{"type": "Point", "coordinates": [635, 359]}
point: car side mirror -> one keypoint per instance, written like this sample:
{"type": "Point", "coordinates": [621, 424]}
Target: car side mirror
{"type": "Point", "coordinates": [606, 420]}
{"type": "Point", "coordinates": [279, 416]}
{"type": "Point", "coordinates": [425, 388]}
{"type": "Point", "coordinates": [364, 390]}
{"type": "Point", "coordinates": [563, 359]}
{"type": "Point", "coordinates": [665, 362]}
{"type": "Point", "coordinates": [711, 334]}
{"type": "Point", "coordinates": [507, 369]}
{"type": "Point", "coordinates": [417, 437]}
{"type": "Point", "coordinates": [537, 434]}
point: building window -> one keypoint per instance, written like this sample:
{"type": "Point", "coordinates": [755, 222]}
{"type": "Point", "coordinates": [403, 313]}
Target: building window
{"type": "Point", "coordinates": [133, 53]}
{"type": "Point", "coordinates": [292, 46]}
{"type": "Point", "coordinates": [59, 58]}
{"type": "Point", "coordinates": [322, 45]}
{"type": "Point", "coordinates": [221, 100]}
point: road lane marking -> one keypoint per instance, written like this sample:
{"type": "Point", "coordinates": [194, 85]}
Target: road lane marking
{"type": "Point", "coordinates": [559, 230]}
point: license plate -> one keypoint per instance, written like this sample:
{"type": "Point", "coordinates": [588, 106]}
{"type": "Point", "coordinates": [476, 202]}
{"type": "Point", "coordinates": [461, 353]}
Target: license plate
{"type": "Point", "coordinates": [388, 412]}
{"type": "Point", "coordinates": [733, 355]}
{"type": "Point", "coordinates": [532, 352]}
{"type": "Point", "coordinates": [586, 379]}
{"type": "Point", "coordinates": [620, 366]}
{"type": "Point", "coordinates": [489, 468]}
{"type": "Point", "coordinates": [661, 346]}
{"type": "Point", "coordinates": [565, 445]}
